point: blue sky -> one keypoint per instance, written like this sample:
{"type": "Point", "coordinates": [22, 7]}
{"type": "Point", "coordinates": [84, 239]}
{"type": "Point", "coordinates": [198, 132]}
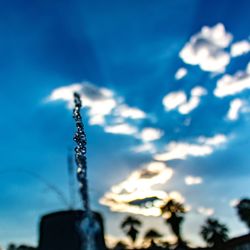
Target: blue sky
{"type": "Point", "coordinates": [162, 81]}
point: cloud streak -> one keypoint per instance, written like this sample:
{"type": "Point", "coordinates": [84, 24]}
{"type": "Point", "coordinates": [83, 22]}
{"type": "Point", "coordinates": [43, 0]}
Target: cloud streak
{"type": "Point", "coordinates": [181, 150]}
{"type": "Point", "coordinates": [233, 84]}
{"type": "Point", "coordinates": [137, 194]}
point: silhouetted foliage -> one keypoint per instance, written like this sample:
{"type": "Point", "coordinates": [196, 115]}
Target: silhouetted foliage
{"type": "Point", "coordinates": [120, 246]}
{"type": "Point", "coordinates": [130, 227]}
{"type": "Point", "coordinates": [21, 247]}
{"type": "Point", "coordinates": [214, 233]}
{"type": "Point", "coordinates": [176, 212]}
{"type": "Point", "coordinates": [11, 246]}
{"type": "Point", "coordinates": [243, 210]}
{"type": "Point", "coordinates": [152, 235]}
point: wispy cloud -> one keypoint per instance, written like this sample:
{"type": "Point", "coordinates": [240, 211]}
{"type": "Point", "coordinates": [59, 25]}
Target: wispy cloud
{"type": "Point", "coordinates": [123, 128]}
{"type": "Point", "coordinates": [137, 194]}
{"type": "Point", "coordinates": [240, 48]}
{"type": "Point", "coordinates": [180, 73]}
{"type": "Point", "coordinates": [213, 141]}
{"type": "Point", "coordinates": [234, 202]}
{"type": "Point", "coordinates": [205, 211]}
{"type": "Point", "coordinates": [101, 102]}
{"type": "Point", "coordinates": [150, 134]}
{"type": "Point", "coordinates": [129, 112]}
{"type": "Point", "coordinates": [207, 49]}
{"type": "Point", "coordinates": [178, 100]}
{"type": "Point", "coordinates": [233, 84]}
{"type": "Point", "coordinates": [145, 147]}
{"type": "Point", "coordinates": [181, 150]}
{"type": "Point", "coordinates": [193, 180]}
{"type": "Point", "coordinates": [174, 99]}
{"type": "Point", "coordinates": [235, 107]}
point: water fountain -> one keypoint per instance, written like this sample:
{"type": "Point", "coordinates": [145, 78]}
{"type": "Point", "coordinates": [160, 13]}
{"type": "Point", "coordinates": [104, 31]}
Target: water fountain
{"type": "Point", "coordinates": [74, 229]}
{"type": "Point", "coordinates": [89, 225]}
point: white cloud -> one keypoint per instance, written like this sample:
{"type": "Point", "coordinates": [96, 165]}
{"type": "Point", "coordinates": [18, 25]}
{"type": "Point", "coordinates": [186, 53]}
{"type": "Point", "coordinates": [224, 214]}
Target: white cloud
{"type": "Point", "coordinates": [130, 112]}
{"type": "Point", "coordinates": [213, 141]}
{"type": "Point", "coordinates": [205, 211]}
{"type": "Point", "coordinates": [65, 93]}
{"type": "Point", "coordinates": [100, 102]}
{"type": "Point", "coordinates": [198, 91]}
{"type": "Point", "coordinates": [145, 147]}
{"type": "Point", "coordinates": [122, 128]}
{"type": "Point", "coordinates": [181, 150]}
{"type": "Point", "coordinates": [97, 120]}
{"type": "Point", "coordinates": [235, 107]}
{"type": "Point", "coordinates": [187, 107]}
{"type": "Point", "coordinates": [240, 48]}
{"type": "Point", "coordinates": [181, 72]}
{"type": "Point", "coordinates": [234, 202]}
{"type": "Point", "coordinates": [174, 100]}
{"type": "Point", "coordinates": [178, 100]}
{"type": "Point", "coordinates": [206, 49]}
{"type": "Point", "coordinates": [193, 180]}
{"type": "Point", "coordinates": [231, 85]}
{"type": "Point", "coordinates": [150, 134]}
{"type": "Point", "coordinates": [137, 194]}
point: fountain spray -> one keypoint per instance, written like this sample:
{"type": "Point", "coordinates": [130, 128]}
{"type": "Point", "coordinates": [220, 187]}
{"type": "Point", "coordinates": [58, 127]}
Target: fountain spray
{"type": "Point", "coordinates": [88, 226]}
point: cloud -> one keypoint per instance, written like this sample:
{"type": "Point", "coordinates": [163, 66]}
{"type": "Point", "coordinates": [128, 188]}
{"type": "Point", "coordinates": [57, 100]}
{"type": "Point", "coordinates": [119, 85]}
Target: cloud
{"type": "Point", "coordinates": [205, 211]}
{"type": "Point", "coordinates": [178, 100]}
{"type": "Point", "coordinates": [213, 141]}
{"type": "Point", "coordinates": [181, 150]}
{"type": "Point", "coordinates": [150, 134]}
{"type": "Point", "coordinates": [235, 107]}
{"type": "Point", "coordinates": [137, 194]}
{"type": "Point", "coordinates": [233, 84]}
{"type": "Point", "coordinates": [207, 49]}
{"type": "Point", "coordinates": [145, 147]}
{"type": "Point", "coordinates": [193, 180]}
{"type": "Point", "coordinates": [194, 101]}
{"type": "Point", "coordinates": [240, 48]}
{"type": "Point", "coordinates": [129, 112]}
{"type": "Point", "coordinates": [101, 103]}
{"type": "Point", "coordinates": [174, 100]}
{"type": "Point", "coordinates": [234, 202]}
{"type": "Point", "coordinates": [122, 128]}
{"type": "Point", "coordinates": [181, 72]}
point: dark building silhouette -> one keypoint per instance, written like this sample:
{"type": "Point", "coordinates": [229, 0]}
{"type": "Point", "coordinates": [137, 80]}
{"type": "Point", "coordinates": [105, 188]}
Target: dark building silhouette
{"type": "Point", "coordinates": [60, 231]}
{"type": "Point", "coordinates": [239, 243]}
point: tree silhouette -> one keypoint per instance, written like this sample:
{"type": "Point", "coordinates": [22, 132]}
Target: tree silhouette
{"type": "Point", "coordinates": [11, 246]}
{"type": "Point", "coordinates": [214, 233]}
{"type": "Point", "coordinates": [130, 227]}
{"type": "Point", "coordinates": [243, 210]}
{"type": "Point", "coordinates": [152, 235]}
{"type": "Point", "coordinates": [176, 212]}
{"type": "Point", "coordinates": [120, 246]}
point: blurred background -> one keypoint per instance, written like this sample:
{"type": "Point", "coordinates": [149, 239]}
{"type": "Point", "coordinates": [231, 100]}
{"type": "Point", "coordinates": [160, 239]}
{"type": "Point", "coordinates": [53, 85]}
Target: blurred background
{"type": "Point", "coordinates": [165, 89]}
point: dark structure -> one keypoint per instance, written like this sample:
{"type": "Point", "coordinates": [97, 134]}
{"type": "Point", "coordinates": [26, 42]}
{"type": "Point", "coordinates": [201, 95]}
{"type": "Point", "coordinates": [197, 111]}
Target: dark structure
{"type": "Point", "coordinates": [60, 231]}
{"type": "Point", "coordinates": [239, 243]}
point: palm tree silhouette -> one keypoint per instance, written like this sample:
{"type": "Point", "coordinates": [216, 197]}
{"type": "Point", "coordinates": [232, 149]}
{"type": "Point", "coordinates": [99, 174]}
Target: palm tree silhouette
{"type": "Point", "coordinates": [243, 210]}
{"type": "Point", "coordinates": [152, 235]}
{"type": "Point", "coordinates": [130, 227]}
{"type": "Point", "coordinates": [214, 233]}
{"type": "Point", "coordinates": [176, 212]}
